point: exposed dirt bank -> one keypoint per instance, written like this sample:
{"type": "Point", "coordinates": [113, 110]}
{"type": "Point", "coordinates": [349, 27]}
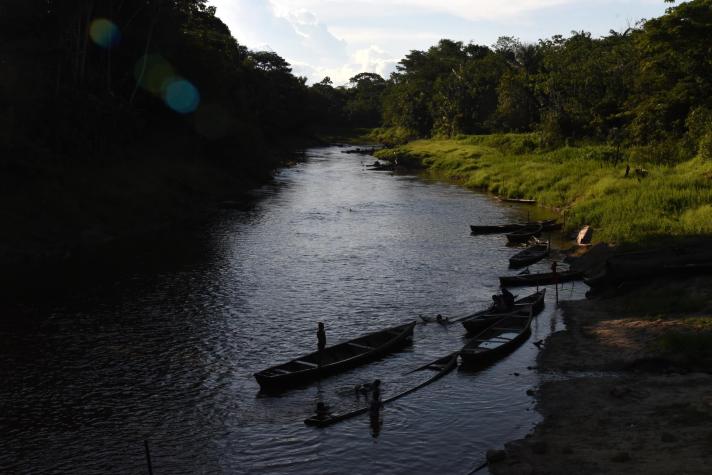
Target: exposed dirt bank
{"type": "Point", "coordinates": [628, 387]}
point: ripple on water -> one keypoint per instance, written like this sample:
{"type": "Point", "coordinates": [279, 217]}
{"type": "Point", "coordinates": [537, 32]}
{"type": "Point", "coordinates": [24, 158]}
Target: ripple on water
{"type": "Point", "coordinates": [166, 350]}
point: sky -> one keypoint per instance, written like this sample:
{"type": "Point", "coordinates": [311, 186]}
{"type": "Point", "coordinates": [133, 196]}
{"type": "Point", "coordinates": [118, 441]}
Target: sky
{"type": "Point", "coordinates": [341, 38]}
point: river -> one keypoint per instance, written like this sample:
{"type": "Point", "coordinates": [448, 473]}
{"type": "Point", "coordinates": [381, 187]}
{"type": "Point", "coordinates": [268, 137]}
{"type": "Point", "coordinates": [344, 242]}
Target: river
{"type": "Point", "coordinates": [163, 346]}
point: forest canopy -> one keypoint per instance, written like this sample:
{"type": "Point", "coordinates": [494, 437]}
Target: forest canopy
{"type": "Point", "coordinates": [649, 83]}
{"type": "Point", "coordinates": [80, 77]}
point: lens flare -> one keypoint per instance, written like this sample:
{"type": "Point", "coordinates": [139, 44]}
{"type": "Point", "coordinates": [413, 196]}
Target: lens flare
{"type": "Point", "coordinates": [181, 96]}
{"type": "Point", "coordinates": [104, 33]}
{"type": "Point", "coordinates": [153, 72]}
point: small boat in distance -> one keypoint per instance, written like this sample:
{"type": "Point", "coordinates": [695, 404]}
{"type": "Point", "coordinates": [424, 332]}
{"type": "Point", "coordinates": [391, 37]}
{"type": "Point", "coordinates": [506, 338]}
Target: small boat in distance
{"type": "Point", "coordinates": [517, 200]}
{"type": "Point", "coordinates": [530, 255]}
{"type": "Point", "coordinates": [497, 340]}
{"type": "Point", "coordinates": [335, 358]}
{"type": "Point", "coordinates": [484, 318]}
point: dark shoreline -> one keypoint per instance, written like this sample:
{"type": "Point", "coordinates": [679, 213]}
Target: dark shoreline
{"type": "Point", "coordinates": [67, 220]}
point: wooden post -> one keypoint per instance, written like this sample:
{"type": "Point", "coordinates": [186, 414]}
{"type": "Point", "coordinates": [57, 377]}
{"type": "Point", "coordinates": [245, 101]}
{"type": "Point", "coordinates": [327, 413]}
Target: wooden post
{"type": "Point", "coordinates": [556, 281]}
{"type": "Point", "coordinates": [148, 457]}
{"type": "Point", "coordinates": [556, 285]}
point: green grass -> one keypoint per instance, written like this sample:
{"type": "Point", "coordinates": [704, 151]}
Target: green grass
{"type": "Point", "coordinates": [672, 302]}
{"type": "Point", "coordinates": [578, 181]}
{"type": "Point", "coordinates": [691, 346]}
{"type": "Point", "coordinates": [351, 136]}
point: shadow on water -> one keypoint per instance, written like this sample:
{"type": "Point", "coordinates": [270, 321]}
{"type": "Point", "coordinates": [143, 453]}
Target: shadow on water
{"type": "Point", "coordinates": [161, 341]}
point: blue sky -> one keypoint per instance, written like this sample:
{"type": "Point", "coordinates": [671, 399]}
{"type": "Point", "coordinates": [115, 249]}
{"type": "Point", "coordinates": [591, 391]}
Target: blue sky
{"type": "Point", "coordinates": [340, 38]}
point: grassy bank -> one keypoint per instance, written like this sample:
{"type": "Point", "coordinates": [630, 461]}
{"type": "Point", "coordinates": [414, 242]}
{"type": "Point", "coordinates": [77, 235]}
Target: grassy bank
{"type": "Point", "coordinates": [582, 182]}
{"type": "Point", "coordinates": [350, 136]}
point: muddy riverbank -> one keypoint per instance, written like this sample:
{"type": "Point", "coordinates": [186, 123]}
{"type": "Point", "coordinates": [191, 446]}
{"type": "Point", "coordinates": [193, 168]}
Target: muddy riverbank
{"type": "Point", "coordinates": [627, 387]}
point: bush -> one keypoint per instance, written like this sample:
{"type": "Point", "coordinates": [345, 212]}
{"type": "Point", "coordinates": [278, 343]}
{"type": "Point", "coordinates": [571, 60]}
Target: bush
{"type": "Point", "coordinates": [704, 148]}
{"type": "Point", "coordinates": [694, 347]}
{"type": "Point", "coordinates": [666, 152]}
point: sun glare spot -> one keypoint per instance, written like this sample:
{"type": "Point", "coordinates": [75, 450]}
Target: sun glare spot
{"type": "Point", "coordinates": [104, 33]}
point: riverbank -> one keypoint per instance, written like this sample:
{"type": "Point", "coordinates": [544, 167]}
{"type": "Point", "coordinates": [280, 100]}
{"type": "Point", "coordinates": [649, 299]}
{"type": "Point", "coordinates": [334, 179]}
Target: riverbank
{"type": "Point", "coordinates": [586, 184]}
{"type": "Point", "coordinates": [627, 387]}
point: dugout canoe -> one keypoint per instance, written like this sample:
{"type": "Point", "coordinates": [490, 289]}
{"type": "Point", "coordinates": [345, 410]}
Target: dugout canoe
{"type": "Point", "coordinates": [497, 340]}
{"type": "Point", "coordinates": [441, 366]}
{"type": "Point", "coordinates": [547, 278]}
{"type": "Point", "coordinates": [547, 225]}
{"type": "Point", "coordinates": [530, 255]}
{"type": "Point", "coordinates": [482, 319]}
{"type": "Point", "coordinates": [335, 359]}
{"type": "Point", "coordinates": [524, 234]}
{"type": "Point", "coordinates": [517, 200]}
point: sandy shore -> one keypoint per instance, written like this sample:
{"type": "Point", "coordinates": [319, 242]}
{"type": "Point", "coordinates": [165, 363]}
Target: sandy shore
{"type": "Point", "coordinates": [617, 396]}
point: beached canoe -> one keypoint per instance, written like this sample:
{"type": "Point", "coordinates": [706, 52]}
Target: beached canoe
{"type": "Point", "coordinates": [547, 278]}
{"type": "Point", "coordinates": [441, 366]}
{"type": "Point", "coordinates": [495, 228]}
{"type": "Point", "coordinates": [524, 234]}
{"type": "Point", "coordinates": [336, 358]}
{"type": "Point", "coordinates": [547, 225]}
{"type": "Point", "coordinates": [517, 200]}
{"type": "Point", "coordinates": [482, 319]}
{"type": "Point", "coordinates": [497, 340]}
{"type": "Point", "coordinates": [530, 255]}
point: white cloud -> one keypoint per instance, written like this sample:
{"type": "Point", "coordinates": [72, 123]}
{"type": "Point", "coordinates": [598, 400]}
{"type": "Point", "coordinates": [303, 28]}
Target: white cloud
{"type": "Point", "coordinates": [341, 38]}
{"type": "Point", "coordinates": [297, 35]}
{"type": "Point", "coordinates": [372, 59]}
{"type": "Point", "coordinates": [473, 10]}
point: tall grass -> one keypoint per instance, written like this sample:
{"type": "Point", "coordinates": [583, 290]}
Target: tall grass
{"type": "Point", "coordinates": [581, 182]}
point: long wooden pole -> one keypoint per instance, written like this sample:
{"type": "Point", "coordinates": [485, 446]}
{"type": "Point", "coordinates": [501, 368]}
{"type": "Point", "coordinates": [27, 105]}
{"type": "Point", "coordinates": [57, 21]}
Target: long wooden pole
{"type": "Point", "coordinates": [148, 457]}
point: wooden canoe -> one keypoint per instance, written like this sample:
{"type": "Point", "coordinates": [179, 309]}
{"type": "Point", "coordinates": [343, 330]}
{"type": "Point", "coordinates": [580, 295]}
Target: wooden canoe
{"type": "Point", "coordinates": [547, 278]}
{"type": "Point", "coordinates": [497, 340]}
{"type": "Point", "coordinates": [480, 320]}
{"type": "Point", "coordinates": [547, 225]}
{"type": "Point", "coordinates": [525, 234]}
{"type": "Point", "coordinates": [336, 358]}
{"type": "Point", "coordinates": [530, 255]}
{"type": "Point", "coordinates": [441, 366]}
{"type": "Point", "coordinates": [517, 200]}
{"type": "Point", "coordinates": [495, 228]}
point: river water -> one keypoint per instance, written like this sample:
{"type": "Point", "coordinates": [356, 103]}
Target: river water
{"type": "Point", "coordinates": [163, 347]}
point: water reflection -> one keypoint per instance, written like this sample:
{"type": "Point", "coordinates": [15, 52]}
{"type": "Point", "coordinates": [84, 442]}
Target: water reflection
{"type": "Point", "coordinates": [163, 345]}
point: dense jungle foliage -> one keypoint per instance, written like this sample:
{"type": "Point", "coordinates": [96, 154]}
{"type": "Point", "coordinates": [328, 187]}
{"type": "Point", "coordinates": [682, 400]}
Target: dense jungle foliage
{"type": "Point", "coordinates": [80, 78]}
{"type": "Point", "coordinates": [106, 105]}
{"type": "Point", "coordinates": [647, 85]}
{"type": "Point", "coordinates": [83, 76]}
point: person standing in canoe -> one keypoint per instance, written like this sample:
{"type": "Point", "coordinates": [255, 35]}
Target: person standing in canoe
{"type": "Point", "coordinates": [321, 339]}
